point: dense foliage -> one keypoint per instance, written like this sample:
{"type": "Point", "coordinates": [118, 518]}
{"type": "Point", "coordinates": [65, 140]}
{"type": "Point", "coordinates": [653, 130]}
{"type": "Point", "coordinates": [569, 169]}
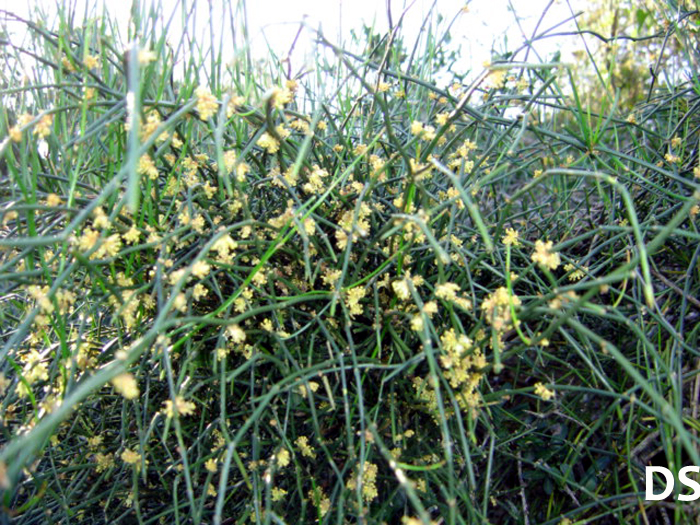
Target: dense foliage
{"type": "Point", "coordinates": [237, 292]}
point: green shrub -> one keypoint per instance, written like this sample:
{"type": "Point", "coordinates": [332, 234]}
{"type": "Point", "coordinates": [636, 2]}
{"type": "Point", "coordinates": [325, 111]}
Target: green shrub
{"type": "Point", "coordinates": [235, 293]}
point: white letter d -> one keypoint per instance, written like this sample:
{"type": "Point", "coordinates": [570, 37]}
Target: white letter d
{"type": "Point", "coordinates": [649, 471]}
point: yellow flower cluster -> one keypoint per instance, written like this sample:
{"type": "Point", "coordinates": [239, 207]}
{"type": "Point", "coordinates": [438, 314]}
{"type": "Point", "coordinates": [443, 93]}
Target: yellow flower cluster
{"type": "Point", "coordinates": [511, 237]}
{"type": "Point", "coordinates": [103, 461]}
{"type": "Point", "coordinates": [545, 256]}
{"type": "Point", "coordinates": [417, 322]}
{"type": "Point", "coordinates": [91, 61]}
{"type": "Point", "coordinates": [313, 386]}
{"type": "Point", "coordinates": [109, 248]}
{"type": "Point", "coordinates": [201, 269]}
{"type": "Point", "coordinates": [268, 142]}
{"type": "Point", "coordinates": [401, 289]}
{"type": "Point", "coordinates": [542, 391]}
{"type": "Point", "coordinates": [368, 479]}
{"type": "Point", "coordinates": [320, 500]}
{"type": "Point", "coordinates": [132, 235]}
{"type": "Point", "coordinates": [449, 292]}
{"type": "Point", "coordinates": [576, 273]}
{"type": "Point", "coordinates": [211, 465]}
{"type": "Point", "coordinates": [131, 457]}
{"type": "Point", "coordinates": [225, 246]}
{"type": "Point", "coordinates": [353, 296]}
{"type": "Point", "coordinates": [282, 457]}
{"type": "Point", "coordinates": [306, 450]}
{"type": "Point", "coordinates": [497, 308]}
{"type": "Point", "coordinates": [461, 156]}
{"type": "Point", "coordinates": [34, 370]}
{"type": "Point", "coordinates": [234, 103]}
{"type": "Point", "coordinates": [179, 407]}
{"type": "Point", "coordinates": [242, 168]}
{"type": "Point", "coordinates": [126, 385]}
{"type": "Point", "coordinates": [146, 56]}
{"type": "Point", "coordinates": [462, 364]}
{"type": "Point", "coordinates": [360, 149]}
{"type": "Point", "coordinates": [424, 132]}
{"type": "Point", "coordinates": [43, 127]}
{"type": "Point", "coordinates": [206, 103]}
{"type": "Point", "coordinates": [283, 96]}
{"type": "Point", "coordinates": [147, 167]}
{"type": "Point", "coordinates": [278, 493]}
{"type": "Point", "coordinates": [346, 222]}
{"type": "Point", "coordinates": [315, 180]}
{"type": "Point", "coordinates": [235, 333]}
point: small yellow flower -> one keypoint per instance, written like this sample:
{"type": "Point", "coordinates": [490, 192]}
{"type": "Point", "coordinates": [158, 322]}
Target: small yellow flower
{"type": "Point", "coordinates": [233, 104]}
{"type": "Point", "coordinates": [382, 87]}
{"type": "Point", "coordinates": [543, 392]}
{"type": "Point", "coordinates": [206, 103]}
{"type": "Point", "coordinates": [146, 56]}
{"type": "Point", "coordinates": [132, 235]}
{"type": "Point", "coordinates": [91, 61]}
{"type": "Point", "coordinates": [235, 333]}
{"type": "Point", "coordinates": [544, 255]}
{"type": "Point", "coordinates": [313, 386]}
{"type": "Point", "coordinates": [401, 289]}
{"type": "Point", "coordinates": [201, 269]}
{"type": "Point", "coordinates": [268, 142]}
{"type": "Point", "coordinates": [43, 127]}
{"type": "Point", "coordinates": [306, 450]}
{"type": "Point", "coordinates": [211, 465]}
{"type": "Point", "coordinates": [16, 133]}
{"type": "Point", "coordinates": [417, 323]}
{"type": "Point", "coordinates": [447, 291]}
{"type": "Point", "coordinates": [672, 158]}
{"type": "Point", "coordinates": [278, 493]}
{"type": "Point", "coordinates": [511, 237]}
{"type": "Point", "coordinates": [430, 308]}
{"type": "Point", "coordinates": [352, 300]}
{"type": "Point", "coordinates": [368, 478]}
{"type": "Point", "coordinates": [281, 96]}
{"type": "Point", "coordinates": [53, 200]}
{"type": "Point", "coordinates": [147, 167]}
{"type": "Point", "coordinates": [576, 273]}
{"type": "Point", "coordinates": [180, 302]}
{"type": "Point", "coordinates": [67, 64]}
{"type": "Point", "coordinates": [416, 127]}
{"type": "Point", "coordinates": [126, 385]}
{"type": "Point", "coordinates": [180, 407]}
{"type": "Point", "coordinates": [441, 118]}
{"type": "Point", "coordinates": [130, 457]}
{"type": "Point", "coordinates": [104, 462]}
{"type": "Point", "coordinates": [267, 325]}
{"type": "Point", "coordinates": [360, 149]}
{"type": "Point", "coordinates": [283, 457]}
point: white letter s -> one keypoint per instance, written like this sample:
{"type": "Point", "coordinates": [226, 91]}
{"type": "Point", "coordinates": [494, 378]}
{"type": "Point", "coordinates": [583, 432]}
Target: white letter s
{"type": "Point", "coordinates": [685, 480]}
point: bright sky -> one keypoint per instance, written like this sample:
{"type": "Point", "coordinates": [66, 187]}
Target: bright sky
{"type": "Point", "coordinates": [487, 24]}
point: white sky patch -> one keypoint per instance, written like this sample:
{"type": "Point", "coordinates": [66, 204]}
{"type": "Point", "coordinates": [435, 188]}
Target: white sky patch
{"type": "Point", "coordinates": [485, 26]}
